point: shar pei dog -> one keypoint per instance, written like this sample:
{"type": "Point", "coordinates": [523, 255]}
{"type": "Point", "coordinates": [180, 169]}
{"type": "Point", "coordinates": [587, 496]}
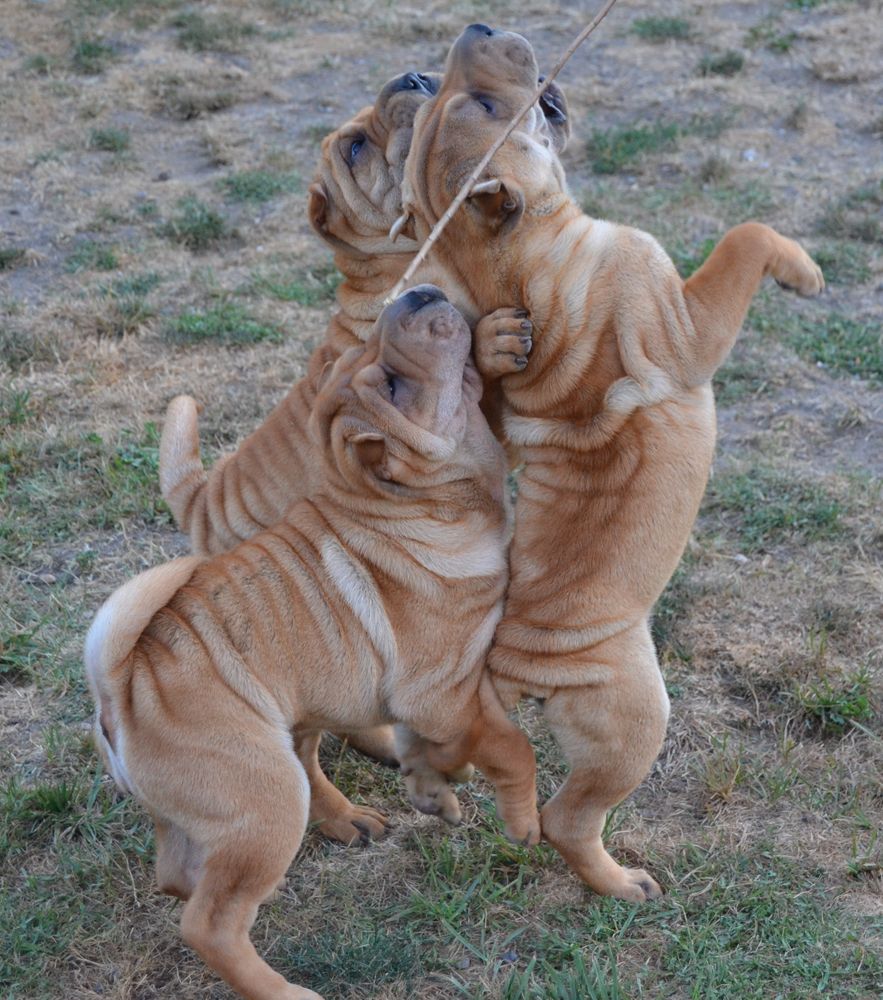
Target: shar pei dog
{"type": "Point", "coordinates": [613, 417]}
{"type": "Point", "coordinates": [374, 602]}
{"type": "Point", "coordinates": [353, 203]}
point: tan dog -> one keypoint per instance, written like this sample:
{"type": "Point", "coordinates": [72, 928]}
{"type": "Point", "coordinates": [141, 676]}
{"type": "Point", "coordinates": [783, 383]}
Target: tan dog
{"type": "Point", "coordinates": [374, 603]}
{"type": "Point", "coordinates": [353, 203]}
{"type": "Point", "coordinates": [614, 418]}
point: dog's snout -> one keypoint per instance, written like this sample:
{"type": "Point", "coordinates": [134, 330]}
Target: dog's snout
{"type": "Point", "coordinates": [419, 82]}
{"type": "Point", "coordinates": [482, 28]}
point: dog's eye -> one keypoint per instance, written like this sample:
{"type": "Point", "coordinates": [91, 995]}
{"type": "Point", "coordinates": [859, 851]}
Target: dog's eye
{"type": "Point", "coordinates": [392, 384]}
{"type": "Point", "coordinates": [486, 104]}
{"type": "Point", "coordinates": [354, 149]}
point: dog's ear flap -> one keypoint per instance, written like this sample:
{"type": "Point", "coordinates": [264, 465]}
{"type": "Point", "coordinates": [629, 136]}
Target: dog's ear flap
{"type": "Point", "coordinates": [318, 209]}
{"type": "Point", "coordinates": [370, 451]}
{"type": "Point", "coordinates": [500, 205]}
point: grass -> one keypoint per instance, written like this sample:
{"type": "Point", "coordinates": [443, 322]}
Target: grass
{"type": "Point", "coordinates": [843, 262]}
{"type": "Point", "coordinates": [611, 150]}
{"type": "Point", "coordinates": [836, 704]}
{"type": "Point", "coordinates": [259, 185]}
{"type": "Point", "coordinates": [307, 286]}
{"type": "Point", "coordinates": [723, 64]}
{"type": "Point", "coordinates": [219, 33]}
{"type": "Point", "coordinates": [766, 34]}
{"type": "Point", "coordinates": [92, 256]}
{"type": "Point", "coordinates": [661, 29]}
{"type": "Point", "coordinates": [773, 507]}
{"type": "Point", "coordinates": [110, 140]}
{"type": "Point", "coordinates": [760, 817]}
{"type": "Point", "coordinates": [841, 344]}
{"type": "Point", "coordinates": [91, 56]}
{"type": "Point", "coordinates": [855, 215]}
{"type": "Point", "coordinates": [227, 322]}
{"type": "Point", "coordinates": [196, 226]}
{"type": "Point", "coordinates": [62, 488]}
{"type": "Point", "coordinates": [11, 257]}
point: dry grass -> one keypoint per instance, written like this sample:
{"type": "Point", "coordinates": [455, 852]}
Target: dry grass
{"type": "Point", "coordinates": [761, 816]}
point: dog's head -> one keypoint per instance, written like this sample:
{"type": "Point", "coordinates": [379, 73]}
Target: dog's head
{"type": "Point", "coordinates": [489, 76]}
{"type": "Point", "coordinates": [399, 416]}
{"type": "Point", "coordinates": [356, 195]}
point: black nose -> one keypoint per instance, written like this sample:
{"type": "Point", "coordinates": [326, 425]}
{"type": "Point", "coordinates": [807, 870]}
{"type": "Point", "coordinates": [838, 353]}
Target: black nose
{"type": "Point", "coordinates": [418, 81]}
{"type": "Point", "coordinates": [423, 295]}
{"type": "Point", "coordinates": [483, 28]}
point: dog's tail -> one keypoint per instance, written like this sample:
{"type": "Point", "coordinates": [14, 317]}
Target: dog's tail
{"type": "Point", "coordinates": [116, 628]}
{"type": "Point", "coordinates": [182, 477]}
{"type": "Point", "coordinates": [719, 293]}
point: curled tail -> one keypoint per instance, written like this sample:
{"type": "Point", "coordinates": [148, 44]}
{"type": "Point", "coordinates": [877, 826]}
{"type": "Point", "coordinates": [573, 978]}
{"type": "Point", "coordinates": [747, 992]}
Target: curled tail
{"type": "Point", "coordinates": [719, 293]}
{"type": "Point", "coordinates": [112, 636]}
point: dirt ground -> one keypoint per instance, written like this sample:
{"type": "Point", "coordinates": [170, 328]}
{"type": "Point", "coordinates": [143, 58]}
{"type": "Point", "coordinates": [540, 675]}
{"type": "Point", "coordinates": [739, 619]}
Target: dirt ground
{"type": "Point", "coordinates": [153, 240]}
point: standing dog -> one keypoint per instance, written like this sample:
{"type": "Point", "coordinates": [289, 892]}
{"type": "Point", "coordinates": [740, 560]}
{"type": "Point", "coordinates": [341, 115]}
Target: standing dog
{"type": "Point", "coordinates": [614, 418]}
{"type": "Point", "coordinates": [354, 201]}
{"type": "Point", "coordinates": [376, 602]}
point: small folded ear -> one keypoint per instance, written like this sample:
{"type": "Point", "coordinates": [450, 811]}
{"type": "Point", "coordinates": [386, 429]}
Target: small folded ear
{"type": "Point", "coordinates": [501, 206]}
{"type": "Point", "coordinates": [370, 451]}
{"type": "Point", "coordinates": [318, 208]}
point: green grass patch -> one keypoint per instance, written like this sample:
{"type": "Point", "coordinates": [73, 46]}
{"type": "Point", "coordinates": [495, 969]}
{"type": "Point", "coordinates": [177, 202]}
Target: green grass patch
{"type": "Point", "coordinates": [834, 705]}
{"type": "Point", "coordinates": [38, 64]}
{"type": "Point", "coordinates": [855, 216]}
{"type": "Point", "coordinates": [134, 284]}
{"type": "Point", "coordinates": [307, 286]}
{"type": "Point", "coordinates": [197, 226]}
{"type": "Point", "coordinates": [844, 262]}
{"type": "Point", "coordinates": [227, 322]}
{"type": "Point", "coordinates": [259, 185]}
{"type": "Point", "coordinates": [723, 64]}
{"type": "Point", "coordinates": [611, 150]}
{"type": "Point", "coordinates": [839, 343]}
{"type": "Point", "coordinates": [92, 256]}
{"type": "Point", "coordinates": [661, 29]}
{"type": "Point", "coordinates": [11, 257]}
{"type": "Point", "coordinates": [689, 259]}
{"type": "Point", "coordinates": [60, 487]}
{"type": "Point", "coordinates": [738, 380]}
{"type": "Point", "coordinates": [219, 33]}
{"type": "Point", "coordinates": [773, 507]}
{"type": "Point", "coordinates": [91, 56]}
{"type": "Point", "coordinates": [766, 34]}
{"type": "Point", "coordinates": [19, 650]}
{"type": "Point", "coordinates": [109, 140]}
{"type": "Point", "coordinates": [16, 406]}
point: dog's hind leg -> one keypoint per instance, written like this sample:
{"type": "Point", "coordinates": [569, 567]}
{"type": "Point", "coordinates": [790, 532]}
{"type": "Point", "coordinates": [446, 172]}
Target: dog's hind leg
{"type": "Point", "coordinates": [610, 734]}
{"type": "Point", "coordinates": [719, 293]}
{"type": "Point", "coordinates": [249, 846]}
{"type": "Point", "coordinates": [377, 743]}
{"type": "Point", "coordinates": [178, 860]}
{"type": "Point", "coordinates": [335, 815]}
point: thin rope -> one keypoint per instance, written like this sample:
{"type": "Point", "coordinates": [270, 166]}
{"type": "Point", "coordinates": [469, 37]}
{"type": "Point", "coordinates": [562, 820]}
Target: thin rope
{"type": "Point", "coordinates": [465, 190]}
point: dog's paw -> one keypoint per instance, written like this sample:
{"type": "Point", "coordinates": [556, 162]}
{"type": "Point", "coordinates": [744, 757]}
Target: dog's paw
{"type": "Point", "coordinates": [636, 886]}
{"type": "Point", "coordinates": [430, 793]}
{"type": "Point", "coordinates": [503, 341]}
{"type": "Point", "coordinates": [796, 271]}
{"type": "Point", "coordinates": [354, 826]}
{"type": "Point", "coordinates": [524, 830]}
